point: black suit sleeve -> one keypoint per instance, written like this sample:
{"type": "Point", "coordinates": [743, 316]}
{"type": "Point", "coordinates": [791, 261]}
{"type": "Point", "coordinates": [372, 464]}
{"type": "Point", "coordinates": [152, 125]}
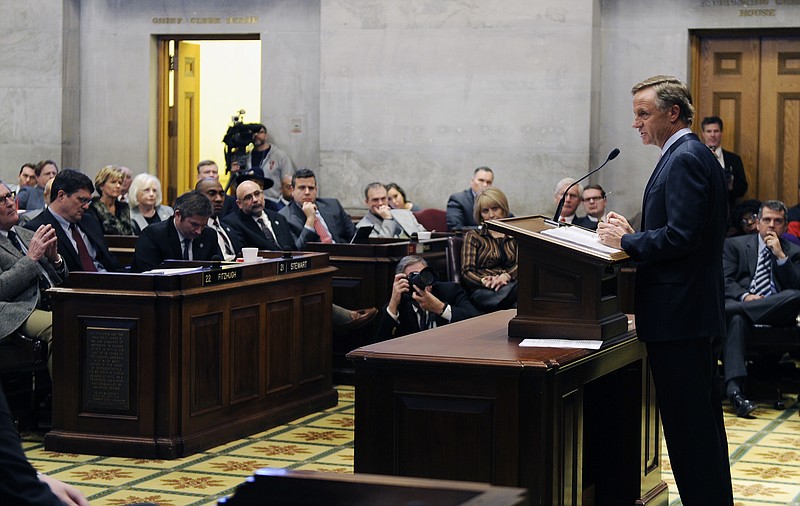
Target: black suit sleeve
{"type": "Point", "coordinates": [147, 254]}
{"type": "Point", "coordinates": [736, 167]}
{"type": "Point", "coordinates": [19, 484]}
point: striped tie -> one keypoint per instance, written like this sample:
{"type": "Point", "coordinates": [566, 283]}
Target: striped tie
{"type": "Point", "coordinates": [762, 279]}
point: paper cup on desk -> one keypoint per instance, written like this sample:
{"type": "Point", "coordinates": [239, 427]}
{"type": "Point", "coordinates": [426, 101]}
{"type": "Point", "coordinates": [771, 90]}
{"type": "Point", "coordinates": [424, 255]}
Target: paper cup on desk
{"type": "Point", "coordinates": [423, 236]}
{"type": "Point", "coordinates": [250, 254]}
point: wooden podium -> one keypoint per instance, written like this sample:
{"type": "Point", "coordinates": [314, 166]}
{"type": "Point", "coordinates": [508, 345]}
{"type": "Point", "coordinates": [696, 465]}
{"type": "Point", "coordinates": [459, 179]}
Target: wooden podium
{"type": "Point", "coordinates": [567, 290]}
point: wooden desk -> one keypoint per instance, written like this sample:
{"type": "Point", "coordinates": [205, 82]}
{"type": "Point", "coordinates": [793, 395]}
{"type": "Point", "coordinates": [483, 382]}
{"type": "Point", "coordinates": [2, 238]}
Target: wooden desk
{"type": "Point", "coordinates": [364, 279]}
{"type": "Point", "coordinates": [163, 366]}
{"type": "Point", "coordinates": [465, 402]}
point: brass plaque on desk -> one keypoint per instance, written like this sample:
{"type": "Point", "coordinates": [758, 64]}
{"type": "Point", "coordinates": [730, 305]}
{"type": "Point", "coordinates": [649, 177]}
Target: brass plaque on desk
{"type": "Point", "coordinates": [106, 375]}
{"type": "Point", "coordinates": [216, 276]}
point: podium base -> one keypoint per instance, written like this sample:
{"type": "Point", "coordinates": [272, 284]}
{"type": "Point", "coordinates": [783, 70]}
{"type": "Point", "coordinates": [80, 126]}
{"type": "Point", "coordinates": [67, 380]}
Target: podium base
{"type": "Point", "coordinates": [558, 328]}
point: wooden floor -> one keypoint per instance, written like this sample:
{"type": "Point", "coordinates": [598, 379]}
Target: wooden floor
{"type": "Point", "coordinates": [765, 456]}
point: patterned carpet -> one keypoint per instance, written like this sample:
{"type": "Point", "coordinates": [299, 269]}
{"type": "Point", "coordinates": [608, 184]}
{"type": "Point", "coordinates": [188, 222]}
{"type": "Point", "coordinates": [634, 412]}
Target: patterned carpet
{"type": "Point", "coordinates": [765, 456]}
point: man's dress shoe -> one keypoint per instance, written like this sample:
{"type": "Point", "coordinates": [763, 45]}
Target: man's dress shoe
{"type": "Point", "coordinates": [742, 406]}
{"type": "Point", "coordinates": [358, 319]}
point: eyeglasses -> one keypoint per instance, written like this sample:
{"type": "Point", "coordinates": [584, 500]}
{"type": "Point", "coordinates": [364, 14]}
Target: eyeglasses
{"type": "Point", "coordinates": [9, 196]}
{"type": "Point", "coordinates": [593, 199]}
{"type": "Point", "coordinates": [572, 196]}
{"type": "Point", "coordinates": [84, 200]}
{"type": "Point", "coordinates": [256, 194]}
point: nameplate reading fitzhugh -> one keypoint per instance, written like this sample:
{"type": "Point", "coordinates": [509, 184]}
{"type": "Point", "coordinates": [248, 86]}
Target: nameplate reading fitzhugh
{"type": "Point", "coordinates": [106, 374]}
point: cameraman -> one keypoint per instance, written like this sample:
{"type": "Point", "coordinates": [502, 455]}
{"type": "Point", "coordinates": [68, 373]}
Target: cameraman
{"type": "Point", "coordinates": [412, 309]}
{"type": "Point", "coordinates": [274, 162]}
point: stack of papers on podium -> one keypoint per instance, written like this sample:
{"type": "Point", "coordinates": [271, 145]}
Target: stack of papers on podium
{"type": "Point", "coordinates": [588, 344]}
{"type": "Point", "coordinates": [580, 236]}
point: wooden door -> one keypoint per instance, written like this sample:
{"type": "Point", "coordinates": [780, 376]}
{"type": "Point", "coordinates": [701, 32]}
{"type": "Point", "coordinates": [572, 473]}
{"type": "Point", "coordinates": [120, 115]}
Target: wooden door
{"type": "Point", "coordinates": [753, 83]}
{"type": "Point", "coordinates": [779, 132]}
{"type": "Point", "coordinates": [187, 114]}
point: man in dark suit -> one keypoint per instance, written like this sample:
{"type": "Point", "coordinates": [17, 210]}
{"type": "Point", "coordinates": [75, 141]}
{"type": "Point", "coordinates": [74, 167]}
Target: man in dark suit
{"type": "Point", "coordinates": [259, 227]}
{"type": "Point", "coordinates": [731, 162]}
{"type": "Point", "coordinates": [571, 202]}
{"type": "Point", "coordinates": [183, 236]}
{"type": "Point", "coordinates": [762, 278]}
{"type": "Point", "coordinates": [410, 311]}
{"type": "Point", "coordinates": [230, 244]}
{"type": "Point", "coordinates": [29, 263]}
{"type": "Point", "coordinates": [80, 236]}
{"type": "Point", "coordinates": [460, 205]}
{"type": "Point", "coordinates": [208, 169]}
{"type": "Point", "coordinates": [680, 312]}
{"type": "Point", "coordinates": [316, 219]}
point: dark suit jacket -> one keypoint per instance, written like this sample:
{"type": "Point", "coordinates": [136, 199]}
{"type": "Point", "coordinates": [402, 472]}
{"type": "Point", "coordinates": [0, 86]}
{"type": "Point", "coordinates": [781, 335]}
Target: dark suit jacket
{"type": "Point", "coordinates": [228, 206]}
{"type": "Point", "coordinates": [733, 163]}
{"type": "Point", "coordinates": [585, 222]}
{"type": "Point", "coordinates": [460, 211]}
{"type": "Point", "coordinates": [19, 484]}
{"type": "Point", "coordinates": [19, 282]}
{"type": "Point", "coordinates": [339, 222]}
{"type": "Point", "coordinates": [679, 282]}
{"type": "Point", "coordinates": [161, 242]}
{"type": "Point", "coordinates": [94, 232]}
{"type": "Point", "coordinates": [739, 260]}
{"type": "Point", "coordinates": [251, 235]}
{"type": "Point", "coordinates": [450, 293]}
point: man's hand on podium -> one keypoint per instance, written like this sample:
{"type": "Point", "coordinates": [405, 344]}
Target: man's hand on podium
{"type": "Point", "coordinates": [611, 230]}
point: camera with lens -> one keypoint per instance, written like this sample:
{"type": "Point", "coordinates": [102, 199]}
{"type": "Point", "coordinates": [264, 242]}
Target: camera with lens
{"type": "Point", "coordinates": [238, 136]}
{"type": "Point", "coordinates": [422, 279]}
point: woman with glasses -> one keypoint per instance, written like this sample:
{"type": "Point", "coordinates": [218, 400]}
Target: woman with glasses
{"type": "Point", "coordinates": [144, 196]}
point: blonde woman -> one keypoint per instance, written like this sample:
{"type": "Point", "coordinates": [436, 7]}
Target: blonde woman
{"type": "Point", "coordinates": [114, 216]}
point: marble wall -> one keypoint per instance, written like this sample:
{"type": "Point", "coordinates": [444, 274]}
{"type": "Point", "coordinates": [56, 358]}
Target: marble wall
{"type": "Point", "coordinates": [419, 92]}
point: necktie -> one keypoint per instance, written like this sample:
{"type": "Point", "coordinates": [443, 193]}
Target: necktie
{"type": "Point", "coordinates": [227, 247]}
{"type": "Point", "coordinates": [762, 278]}
{"type": "Point", "coordinates": [322, 232]}
{"type": "Point", "coordinates": [12, 236]}
{"type": "Point", "coordinates": [267, 234]}
{"type": "Point", "coordinates": [187, 246]}
{"type": "Point", "coordinates": [86, 259]}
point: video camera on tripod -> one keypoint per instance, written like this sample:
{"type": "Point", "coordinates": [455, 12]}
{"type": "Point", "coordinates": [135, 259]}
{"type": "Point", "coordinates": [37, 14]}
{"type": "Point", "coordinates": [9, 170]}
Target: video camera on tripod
{"type": "Point", "coordinates": [237, 138]}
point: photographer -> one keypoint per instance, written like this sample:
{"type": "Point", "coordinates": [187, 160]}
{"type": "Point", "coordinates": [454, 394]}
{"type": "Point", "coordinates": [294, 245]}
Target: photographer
{"type": "Point", "coordinates": [274, 162]}
{"type": "Point", "coordinates": [420, 302]}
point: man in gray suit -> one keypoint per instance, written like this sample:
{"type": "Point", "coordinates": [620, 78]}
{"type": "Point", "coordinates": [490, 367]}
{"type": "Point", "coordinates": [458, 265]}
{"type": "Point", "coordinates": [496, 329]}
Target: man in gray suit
{"type": "Point", "coordinates": [29, 263]}
{"type": "Point", "coordinates": [385, 221]}
{"type": "Point", "coordinates": [324, 220]}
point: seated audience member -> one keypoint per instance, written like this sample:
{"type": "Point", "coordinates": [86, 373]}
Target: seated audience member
{"type": "Point", "coordinates": [398, 199]}
{"type": "Point", "coordinates": [489, 258]}
{"type": "Point", "coordinates": [762, 277]}
{"type": "Point", "coordinates": [229, 242]}
{"type": "Point", "coordinates": [27, 177]}
{"type": "Point", "coordinates": [127, 179]}
{"type": "Point", "coordinates": [32, 197]}
{"type": "Point", "coordinates": [460, 205]}
{"type": "Point", "coordinates": [144, 196]}
{"type": "Point", "coordinates": [571, 203]}
{"type": "Point", "coordinates": [259, 227]}
{"type": "Point", "coordinates": [286, 192]}
{"type": "Point", "coordinates": [744, 218]}
{"type": "Point", "coordinates": [412, 309]}
{"type": "Point", "coordinates": [80, 237]}
{"type": "Point", "coordinates": [594, 202]}
{"type": "Point", "coordinates": [208, 169]}
{"type": "Point", "coordinates": [114, 216]}
{"type": "Point", "coordinates": [387, 222]}
{"type": "Point", "coordinates": [324, 218]}
{"type": "Point", "coordinates": [29, 264]}
{"type": "Point", "coordinates": [20, 483]}
{"type": "Point", "coordinates": [183, 236]}
{"type": "Point", "coordinates": [27, 216]}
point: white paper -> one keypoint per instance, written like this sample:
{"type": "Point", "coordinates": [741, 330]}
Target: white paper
{"type": "Point", "coordinates": [588, 344]}
{"type": "Point", "coordinates": [177, 270]}
{"type": "Point", "coordinates": [577, 235]}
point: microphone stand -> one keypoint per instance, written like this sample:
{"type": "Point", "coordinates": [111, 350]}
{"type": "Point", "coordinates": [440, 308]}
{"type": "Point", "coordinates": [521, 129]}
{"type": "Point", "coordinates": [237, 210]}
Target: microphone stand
{"type": "Point", "coordinates": [614, 153]}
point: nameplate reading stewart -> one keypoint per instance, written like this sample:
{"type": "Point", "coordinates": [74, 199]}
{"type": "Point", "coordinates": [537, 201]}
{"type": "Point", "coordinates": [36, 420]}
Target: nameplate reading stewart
{"type": "Point", "coordinates": [287, 266]}
{"type": "Point", "coordinates": [221, 276]}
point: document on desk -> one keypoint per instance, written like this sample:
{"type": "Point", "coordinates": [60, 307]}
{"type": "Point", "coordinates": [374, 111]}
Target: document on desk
{"type": "Point", "coordinates": [580, 236]}
{"type": "Point", "coordinates": [179, 270]}
{"type": "Point", "coordinates": [588, 344]}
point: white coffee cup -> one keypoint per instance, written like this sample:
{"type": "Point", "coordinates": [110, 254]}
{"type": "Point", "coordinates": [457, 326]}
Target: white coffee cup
{"type": "Point", "coordinates": [250, 254]}
{"type": "Point", "coordinates": [423, 236]}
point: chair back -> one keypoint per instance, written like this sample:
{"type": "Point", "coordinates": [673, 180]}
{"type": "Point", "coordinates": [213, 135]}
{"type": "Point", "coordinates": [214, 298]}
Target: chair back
{"type": "Point", "coordinates": [432, 219]}
{"type": "Point", "coordinates": [454, 245]}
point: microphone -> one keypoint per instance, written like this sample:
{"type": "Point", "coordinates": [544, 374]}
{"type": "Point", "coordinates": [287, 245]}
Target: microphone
{"type": "Point", "coordinates": [614, 153]}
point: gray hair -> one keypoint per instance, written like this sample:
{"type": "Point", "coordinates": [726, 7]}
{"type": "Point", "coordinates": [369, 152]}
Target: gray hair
{"type": "Point", "coordinates": [141, 181]}
{"type": "Point", "coordinates": [409, 260]}
{"type": "Point", "coordinates": [670, 91]}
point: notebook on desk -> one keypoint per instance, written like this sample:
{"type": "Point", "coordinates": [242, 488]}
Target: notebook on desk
{"type": "Point", "coordinates": [362, 235]}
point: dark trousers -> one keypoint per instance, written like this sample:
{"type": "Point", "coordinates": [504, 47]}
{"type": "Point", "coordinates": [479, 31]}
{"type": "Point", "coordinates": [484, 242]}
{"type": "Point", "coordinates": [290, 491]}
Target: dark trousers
{"type": "Point", "coordinates": [684, 373]}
